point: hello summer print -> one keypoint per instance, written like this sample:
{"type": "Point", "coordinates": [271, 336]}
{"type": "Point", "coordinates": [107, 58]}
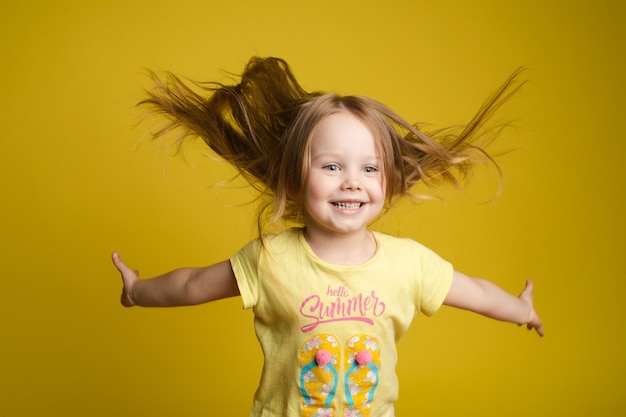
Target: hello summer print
{"type": "Point", "coordinates": [340, 305]}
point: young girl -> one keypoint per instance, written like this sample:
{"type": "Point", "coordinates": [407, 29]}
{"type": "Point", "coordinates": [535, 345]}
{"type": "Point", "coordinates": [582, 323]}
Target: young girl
{"type": "Point", "coordinates": [330, 297]}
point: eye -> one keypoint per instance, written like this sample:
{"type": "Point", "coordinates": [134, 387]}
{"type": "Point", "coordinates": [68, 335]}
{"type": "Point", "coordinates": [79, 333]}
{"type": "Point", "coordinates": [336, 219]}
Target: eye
{"type": "Point", "coordinates": [370, 169]}
{"type": "Point", "coordinates": [332, 167]}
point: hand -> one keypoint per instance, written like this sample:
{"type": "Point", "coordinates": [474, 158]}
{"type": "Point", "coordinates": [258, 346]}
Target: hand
{"type": "Point", "coordinates": [533, 322]}
{"type": "Point", "coordinates": [129, 279]}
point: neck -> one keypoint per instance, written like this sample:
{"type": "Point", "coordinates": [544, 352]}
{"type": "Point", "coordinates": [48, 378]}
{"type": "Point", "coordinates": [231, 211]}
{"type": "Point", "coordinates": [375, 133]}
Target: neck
{"type": "Point", "coordinates": [342, 248]}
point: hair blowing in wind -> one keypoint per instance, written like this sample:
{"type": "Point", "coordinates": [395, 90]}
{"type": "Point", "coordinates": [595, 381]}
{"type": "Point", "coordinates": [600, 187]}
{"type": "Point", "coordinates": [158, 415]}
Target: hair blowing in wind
{"type": "Point", "coordinates": [263, 124]}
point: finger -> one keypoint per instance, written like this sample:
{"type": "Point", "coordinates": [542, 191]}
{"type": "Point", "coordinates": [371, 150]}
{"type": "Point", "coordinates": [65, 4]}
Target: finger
{"type": "Point", "coordinates": [538, 328]}
{"type": "Point", "coordinates": [530, 285]}
{"type": "Point", "coordinates": [119, 264]}
{"type": "Point", "coordinates": [128, 275]}
{"type": "Point", "coordinates": [117, 261]}
{"type": "Point", "coordinates": [126, 300]}
{"type": "Point", "coordinates": [528, 289]}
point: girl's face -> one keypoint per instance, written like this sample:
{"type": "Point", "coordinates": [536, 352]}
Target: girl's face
{"type": "Point", "coordinates": [345, 187]}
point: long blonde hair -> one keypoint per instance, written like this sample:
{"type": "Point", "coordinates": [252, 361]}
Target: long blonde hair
{"type": "Point", "coordinates": [263, 126]}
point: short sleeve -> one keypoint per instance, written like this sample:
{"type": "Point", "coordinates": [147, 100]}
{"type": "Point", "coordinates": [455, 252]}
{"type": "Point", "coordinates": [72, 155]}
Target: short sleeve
{"type": "Point", "coordinates": [435, 282]}
{"type": "Point", "coordinates": [245, 265]}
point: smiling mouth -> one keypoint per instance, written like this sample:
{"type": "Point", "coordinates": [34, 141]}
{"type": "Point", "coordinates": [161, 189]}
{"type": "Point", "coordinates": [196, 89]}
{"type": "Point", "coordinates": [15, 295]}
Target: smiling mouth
{"type": "Point", "coordinates": [347, 206]}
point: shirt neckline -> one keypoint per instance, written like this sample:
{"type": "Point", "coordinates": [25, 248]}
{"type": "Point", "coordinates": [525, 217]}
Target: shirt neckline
{"type": "Point", "coordinates": [307, 249]}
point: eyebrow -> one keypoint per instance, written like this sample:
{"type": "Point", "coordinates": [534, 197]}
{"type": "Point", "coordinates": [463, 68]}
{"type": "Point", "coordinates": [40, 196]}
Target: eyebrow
{"type": "Point", "coordinates": [325, 155]}
{"type": "Point", "coordinates": [335, 158]}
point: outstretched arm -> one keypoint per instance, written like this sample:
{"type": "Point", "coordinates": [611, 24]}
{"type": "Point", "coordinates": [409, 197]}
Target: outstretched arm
{"type": "Point", "coordinates": [181, 287]}
{"type": "Point", "coordinates": [486, 298]}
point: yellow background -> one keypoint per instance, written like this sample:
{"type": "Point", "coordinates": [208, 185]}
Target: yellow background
{"type": "Point", "coordinates": [77, 182]}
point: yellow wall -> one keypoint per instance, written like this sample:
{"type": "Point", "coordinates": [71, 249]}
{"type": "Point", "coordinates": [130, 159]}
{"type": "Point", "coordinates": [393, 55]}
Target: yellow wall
{"type": "Point", "coordinates": [75, 187]}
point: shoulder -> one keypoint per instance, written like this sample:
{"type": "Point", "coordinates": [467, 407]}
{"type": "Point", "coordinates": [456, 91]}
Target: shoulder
{"type": "Point", "coordinates": [395, 242]}
{"type": "Point", "coordinates": [272, 241]}
{"type": "Point", "coordinates": [283, 240]}
{"type": "Point", "coordinates": [405, 248]}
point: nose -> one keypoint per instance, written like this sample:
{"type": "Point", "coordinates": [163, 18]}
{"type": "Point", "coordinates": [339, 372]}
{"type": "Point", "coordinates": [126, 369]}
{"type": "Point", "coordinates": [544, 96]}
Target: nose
{"type": "Point", "coordinates": [351, 181]}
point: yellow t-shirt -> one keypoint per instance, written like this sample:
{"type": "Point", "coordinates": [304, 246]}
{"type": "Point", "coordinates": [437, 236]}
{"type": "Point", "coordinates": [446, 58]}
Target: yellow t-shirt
{"type": "Point", "coordinates": [329, 332]}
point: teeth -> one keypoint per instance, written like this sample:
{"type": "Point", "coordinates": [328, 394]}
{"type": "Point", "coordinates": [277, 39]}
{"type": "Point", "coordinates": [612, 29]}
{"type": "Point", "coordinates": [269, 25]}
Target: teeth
{"type": "Point", "coordinates": [347, 206]}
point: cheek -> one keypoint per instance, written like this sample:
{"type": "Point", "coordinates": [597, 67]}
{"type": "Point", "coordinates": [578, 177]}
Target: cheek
{"type": "Point", "coordinates": [310, 191]}
{"type": "Point", "coordinates": [315, 189]}
{"type": "Point", "coordinates": [382, 186]}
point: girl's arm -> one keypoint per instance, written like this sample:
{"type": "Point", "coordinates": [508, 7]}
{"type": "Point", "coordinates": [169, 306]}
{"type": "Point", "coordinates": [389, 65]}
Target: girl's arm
{"type": "Point", "coordinates": [486, 298]}
{"type": "Point", "coordinates": [181, 287]}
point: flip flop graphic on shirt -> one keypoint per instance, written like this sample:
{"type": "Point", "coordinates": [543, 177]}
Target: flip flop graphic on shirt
{"type": "Point", "coordinates": [318, 358]}
{"type": "Point", "coordinates": [362, 362]}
